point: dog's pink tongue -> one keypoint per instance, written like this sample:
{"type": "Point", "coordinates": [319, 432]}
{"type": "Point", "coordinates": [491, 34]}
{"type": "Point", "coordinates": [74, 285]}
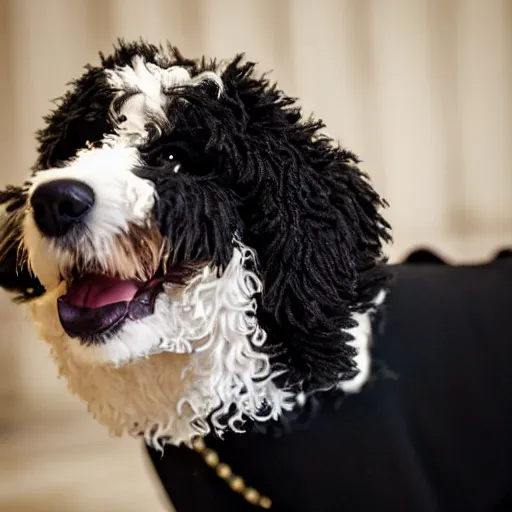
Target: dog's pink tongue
{"type": "Point", "coordinates": [96, 291]}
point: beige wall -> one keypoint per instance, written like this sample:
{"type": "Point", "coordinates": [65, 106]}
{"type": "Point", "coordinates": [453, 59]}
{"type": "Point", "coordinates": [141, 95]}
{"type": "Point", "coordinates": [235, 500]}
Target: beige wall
{"type": "Point", "coordinates": [421, 89]}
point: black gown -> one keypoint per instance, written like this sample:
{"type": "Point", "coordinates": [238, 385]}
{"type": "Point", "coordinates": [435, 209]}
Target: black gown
{"type": "Point", "coordinates": [432, 432]}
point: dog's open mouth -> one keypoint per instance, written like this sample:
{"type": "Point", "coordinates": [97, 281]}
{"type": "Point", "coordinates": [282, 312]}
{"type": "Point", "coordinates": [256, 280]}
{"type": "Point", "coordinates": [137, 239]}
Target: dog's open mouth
{"type": "Point", "coordinates": [96, 304]}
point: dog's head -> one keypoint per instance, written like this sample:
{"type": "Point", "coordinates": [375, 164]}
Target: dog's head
{"type": "Point", "coordinates": [185, 211]}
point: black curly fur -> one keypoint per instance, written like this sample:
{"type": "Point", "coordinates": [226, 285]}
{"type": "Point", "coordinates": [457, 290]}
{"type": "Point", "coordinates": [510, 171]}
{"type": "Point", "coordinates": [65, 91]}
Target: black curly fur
{"type": "Point", "coordinates": [252, 165]}
{"type": "Point", "coordinates": [81, 115]}
{"type": "Point", "coordinates": [15, 275]}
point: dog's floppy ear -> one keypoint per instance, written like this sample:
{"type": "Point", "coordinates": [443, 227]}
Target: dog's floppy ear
{"type": "Point", "coordinates": [15, 275]}
{"type": "Point", "coordinates": [313, 218]}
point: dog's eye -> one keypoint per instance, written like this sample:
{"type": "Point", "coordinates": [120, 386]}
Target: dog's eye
{"type": "Point", "coordinates": [172, 157]}
{"type": "Point", "coordinates": [177, 165]}
{"type": "Point", "coordinates": [176, 157]}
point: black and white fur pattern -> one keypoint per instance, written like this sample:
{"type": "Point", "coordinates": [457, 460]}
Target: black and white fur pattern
{"type": "Point", "coordinates": [225, 175]}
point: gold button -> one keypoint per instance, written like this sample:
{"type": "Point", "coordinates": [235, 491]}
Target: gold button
{"type": "Point", "coordinates": [224, 471]}
{"type": "Point", "coordinates": [198, 444]}
{"type": "Point", "coordinates": [237, 484]}
{"type": "Point", "coordinates": [265, 502]}
{"type": "Point", "coordinates": [211, 458]}
{"type": "Point", "coordinates": [252, 495]}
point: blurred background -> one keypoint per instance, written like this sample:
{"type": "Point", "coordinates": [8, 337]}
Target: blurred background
{"type": "Point", "coordinates": [420, 89]}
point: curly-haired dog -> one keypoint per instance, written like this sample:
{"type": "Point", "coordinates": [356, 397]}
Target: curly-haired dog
{"type": "Point", "coordinates": [202, 260]}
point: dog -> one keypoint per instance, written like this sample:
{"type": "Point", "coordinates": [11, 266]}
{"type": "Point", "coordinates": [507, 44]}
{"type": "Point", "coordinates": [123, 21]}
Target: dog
{"type": "Point", "coordinates": [200, 257]}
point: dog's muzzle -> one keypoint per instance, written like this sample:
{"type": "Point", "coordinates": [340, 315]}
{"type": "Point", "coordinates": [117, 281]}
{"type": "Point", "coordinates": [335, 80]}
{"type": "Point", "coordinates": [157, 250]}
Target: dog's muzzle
{"type": "Point", "coordinates": [95, 303]}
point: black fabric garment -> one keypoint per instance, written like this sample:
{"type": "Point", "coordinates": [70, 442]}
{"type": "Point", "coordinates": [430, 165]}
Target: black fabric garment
{"type": "Point", "coordinates": [432, 433]}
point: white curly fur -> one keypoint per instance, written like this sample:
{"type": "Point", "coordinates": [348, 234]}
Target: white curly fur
{"type": "Point", "coordinates": [149, 86]}
{"type": "Point", "coordinates": [362, 337]}
{"type": "Point", "coordinates": [161, 393]}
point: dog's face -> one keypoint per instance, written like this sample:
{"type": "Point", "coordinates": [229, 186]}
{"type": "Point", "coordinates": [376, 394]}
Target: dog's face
{"type": "Point", "coordinates": [185, 207]}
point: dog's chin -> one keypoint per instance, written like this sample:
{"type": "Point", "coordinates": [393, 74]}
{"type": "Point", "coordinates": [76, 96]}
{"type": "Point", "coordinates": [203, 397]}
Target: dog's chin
{"type": "Point", "coordinates": [123, 332]}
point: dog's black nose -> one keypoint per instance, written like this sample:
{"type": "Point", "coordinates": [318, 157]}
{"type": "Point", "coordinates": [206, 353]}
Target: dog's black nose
{"type": "Point", "coordinates": [59, 205]}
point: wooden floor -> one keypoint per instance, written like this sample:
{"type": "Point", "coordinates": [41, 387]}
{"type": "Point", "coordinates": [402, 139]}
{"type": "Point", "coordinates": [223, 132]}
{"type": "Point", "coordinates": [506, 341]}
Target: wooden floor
{"type": "Point", "coordinates": [70, 464]}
